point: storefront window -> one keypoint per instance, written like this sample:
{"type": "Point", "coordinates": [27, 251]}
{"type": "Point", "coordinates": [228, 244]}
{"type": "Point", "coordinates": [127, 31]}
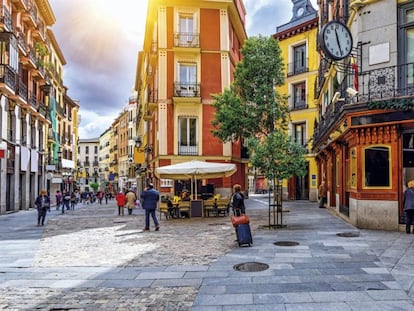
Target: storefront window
{"type": "Point", "coordinates": [377, 166]}
{"type": "Point", "coordinates": [353, 179]}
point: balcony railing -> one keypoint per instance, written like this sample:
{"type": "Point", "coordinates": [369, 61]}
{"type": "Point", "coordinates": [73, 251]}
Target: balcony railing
{"type": "Point", "coordinates": [8, 76]}
{"type": "Point", "coordinates": [383, 88]}
{"type": "Point", "coordinates": [186, 39]}
{"type": "Point", "coordinates": [187, 150]}
{"type": "Point", "coordinates": [153, 96]}
{"type": "Point", "coordinates": [299, 105]}
{"type": "Point", "coordinates": [186, 89]}
{"type": "Point", "coordinates": [6, 18]}
{"type": "Point", "coordinates": [296, 68]}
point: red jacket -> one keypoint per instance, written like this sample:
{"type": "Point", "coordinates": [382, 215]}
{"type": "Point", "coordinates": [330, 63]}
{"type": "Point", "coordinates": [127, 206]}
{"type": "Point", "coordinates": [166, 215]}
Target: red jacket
{"type": "Point", "coordinates": [120, 198]}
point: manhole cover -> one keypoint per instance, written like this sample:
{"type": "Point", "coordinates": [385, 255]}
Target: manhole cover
{"type": "Point", "coordinates": [286, 243]}
{"type": "Point", "coordinates": [348, 234]}
{"type": "Point", "coordinates": [251, 267]}
{"type": "Point", "coordinates": [120, 221]}
{"type": "Point", "coordinates": [218, 224]}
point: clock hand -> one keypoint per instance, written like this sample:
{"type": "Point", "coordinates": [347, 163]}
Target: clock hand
{"type": "Point", "coordinates": [337, 41]}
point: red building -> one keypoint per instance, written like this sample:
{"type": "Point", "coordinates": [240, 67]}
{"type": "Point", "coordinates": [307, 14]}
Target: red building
{"type": "Point", "coordinates": [190, 51]}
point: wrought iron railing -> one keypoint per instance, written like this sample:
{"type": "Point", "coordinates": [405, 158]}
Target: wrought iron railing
{"type": "Point", "coordinates": [186, 89]}
{"type": "Point", "coordinates": [8, 76]}
{"type": "Point", "coordinates": [153, 96]}
{"type": "Point", "coordinates": [6, 18]}
{"type": "Point", "coordinates": [187, 39]}
{"type": "Point", "coordinates": [385, 86]}
{"type": "Point", "coordinates": [187, 149]}
{"type": "Point", "coordinates": [296, 68]}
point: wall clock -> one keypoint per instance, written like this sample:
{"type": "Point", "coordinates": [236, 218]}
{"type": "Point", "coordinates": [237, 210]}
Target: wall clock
{"type": "Point", "coordinates": [336, 40]}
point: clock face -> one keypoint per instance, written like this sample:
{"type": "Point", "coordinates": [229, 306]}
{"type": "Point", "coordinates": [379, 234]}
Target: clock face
{"type": "Point", "coordinates": [336, 40]}
{"type": "Point", "coordinates": [299, 12]}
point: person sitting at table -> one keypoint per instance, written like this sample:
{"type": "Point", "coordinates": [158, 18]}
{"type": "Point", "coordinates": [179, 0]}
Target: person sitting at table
{"type": "Point", "coordinates": [170, 207]}
{"type": "Point", "coordinates": [185, 196]}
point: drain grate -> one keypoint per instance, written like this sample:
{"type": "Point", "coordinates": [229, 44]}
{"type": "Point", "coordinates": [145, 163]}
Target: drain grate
{"type": "Point", "coordinates": [251, 267]}
{"type": "Point", "coordinates": [348, 234]}
{"type": "Point", "coordinates": [286, 243]}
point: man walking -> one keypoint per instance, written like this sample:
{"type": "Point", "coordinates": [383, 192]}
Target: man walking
{"type": "Point", "coordinates": [149, 198]}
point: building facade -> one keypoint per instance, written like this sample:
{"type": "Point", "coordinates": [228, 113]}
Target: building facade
{"type": "Point", "coordinates": [364, 136]}
{"type": "Point", "coordinates": [36, 145]}
{"type": "Point", "coordinates": [190, 51]}
{"type": "Point", "coordinates": [298, 42]}
{"type": "Point", "coordinates": [88, 163]}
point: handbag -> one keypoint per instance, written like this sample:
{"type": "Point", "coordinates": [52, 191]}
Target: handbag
{"type": "Point", "coordinates": [239, 220]}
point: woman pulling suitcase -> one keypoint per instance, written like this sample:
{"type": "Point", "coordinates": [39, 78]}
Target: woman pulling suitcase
{"type": "Point", "coordinates": [240, 220]}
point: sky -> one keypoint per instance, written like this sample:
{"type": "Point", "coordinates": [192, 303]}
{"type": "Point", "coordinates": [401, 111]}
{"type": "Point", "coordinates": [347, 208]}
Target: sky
{"type": "Point", "coordinates": [100, 40]}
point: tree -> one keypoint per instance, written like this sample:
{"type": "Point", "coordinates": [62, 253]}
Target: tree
{"type": "Point", "coordinates": [252, 111]}
{"type": "Point", "coordinates": [94, 186]}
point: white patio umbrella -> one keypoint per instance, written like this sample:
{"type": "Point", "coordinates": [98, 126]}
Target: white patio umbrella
{"type": "Point", "coordinates": [196, 170]}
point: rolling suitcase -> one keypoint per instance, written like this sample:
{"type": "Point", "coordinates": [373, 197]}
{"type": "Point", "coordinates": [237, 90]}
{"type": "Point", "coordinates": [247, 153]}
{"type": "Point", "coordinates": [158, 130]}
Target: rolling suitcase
{"type": "Point", "coordinates": [244, 235]}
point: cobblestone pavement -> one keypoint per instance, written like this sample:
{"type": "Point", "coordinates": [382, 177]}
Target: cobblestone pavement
{"type": "Point", "coordinates": [92, 259]}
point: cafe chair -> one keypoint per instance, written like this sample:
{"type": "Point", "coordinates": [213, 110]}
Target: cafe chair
{"type": "Point", "coordinates": [210, 207]}
{"type": "Point", "coordinates": [223, 207]}
{"type": "Point", "coordinates": [184, 208]}
{"type": "Point", "coordinates": [164, 210]}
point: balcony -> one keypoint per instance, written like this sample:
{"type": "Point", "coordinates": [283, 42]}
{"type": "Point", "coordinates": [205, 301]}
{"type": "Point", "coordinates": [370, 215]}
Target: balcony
{"type": "Point", "coordinates": [297, 68]}
{"type": "Point", "coordinates": [187, 40]}
{"type": "Point", "coordinates": [299, 105]}
{"type": "Point", "coordinates": [6, 19]}
{"type": "Point", "coordinates": [7, 79]}
{"type": "Point", "coordinates": [388, 88]}
{"type": "Point", "coordinates": [186, 89]}
{"type": "Point", "coordinates": [86, 164]}
{"type": "Point", "coordinates": [20, 4]}
{"type": "Point", "coordinates": [30, 16]}
{"type": "Point", "coordinates": [187, 150]}
{"type": "Point", "coordinates": [21, 40]}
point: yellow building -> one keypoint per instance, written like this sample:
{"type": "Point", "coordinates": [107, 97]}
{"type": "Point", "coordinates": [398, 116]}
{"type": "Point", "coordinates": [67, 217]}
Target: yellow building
{"type": "Point", "coordinates": [297, 40]}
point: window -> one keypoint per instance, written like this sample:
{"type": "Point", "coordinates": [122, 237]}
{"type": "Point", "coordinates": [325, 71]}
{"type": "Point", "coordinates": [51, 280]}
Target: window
{"type": "Point", "coordinates": [188, 79]}
{"type": "Point", "coordinates": [299, 62]}
{"type": "Point", "coordinates": [300, 133]}
{"type": "Point", "coordinates": [96, 149]}
{"type": "Point", "coordinates": [406, 44]}
{"type": "Point", "coordinates": [186, 28]}
{"type": "Point", "coordinates": [299, 95]}
{"type": "Point", "coordinates": [377, 166]}
{"type": "Point", "coordinates": [87, 149]}
{"type": "Point", "coordinates": [187, 136]}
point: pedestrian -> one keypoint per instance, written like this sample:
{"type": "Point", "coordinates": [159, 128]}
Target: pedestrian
{"type": "Point", "coordinates": [237, 201]}
{"type": "Point", "coordinates": [408, 203]}
{"type": "Point", "coordinates": [322, 194]}
{"type": "Point", "coordinates": [58, 199]}
{"type": "Point", "coordinates": [107, 195]}
{"type": "Point", "coordinates": [78, 197]}
{"type": "Point", "coordinates": [100, 196]}
{"type": "Point", "coordinates": [72, 200]}
{"type": "Point", "coordinates": [66, 201]}
{"type": "Point", "coordinates": [120, 201]}
{"type": "Point", "coordinates": [42, 204]}
{"type": "Point", "coordinates": [149, 201]}
{"type": "Point", "coordinates": [131, 199]}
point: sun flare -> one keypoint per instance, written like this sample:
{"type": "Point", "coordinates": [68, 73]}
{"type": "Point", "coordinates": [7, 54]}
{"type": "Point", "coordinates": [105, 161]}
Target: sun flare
{"type": "Point", "coordinates": [128, 14]}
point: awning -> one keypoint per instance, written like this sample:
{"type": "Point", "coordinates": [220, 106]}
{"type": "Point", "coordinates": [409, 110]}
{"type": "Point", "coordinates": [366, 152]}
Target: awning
{"type": "Point", "coordinates": [68, 164]}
